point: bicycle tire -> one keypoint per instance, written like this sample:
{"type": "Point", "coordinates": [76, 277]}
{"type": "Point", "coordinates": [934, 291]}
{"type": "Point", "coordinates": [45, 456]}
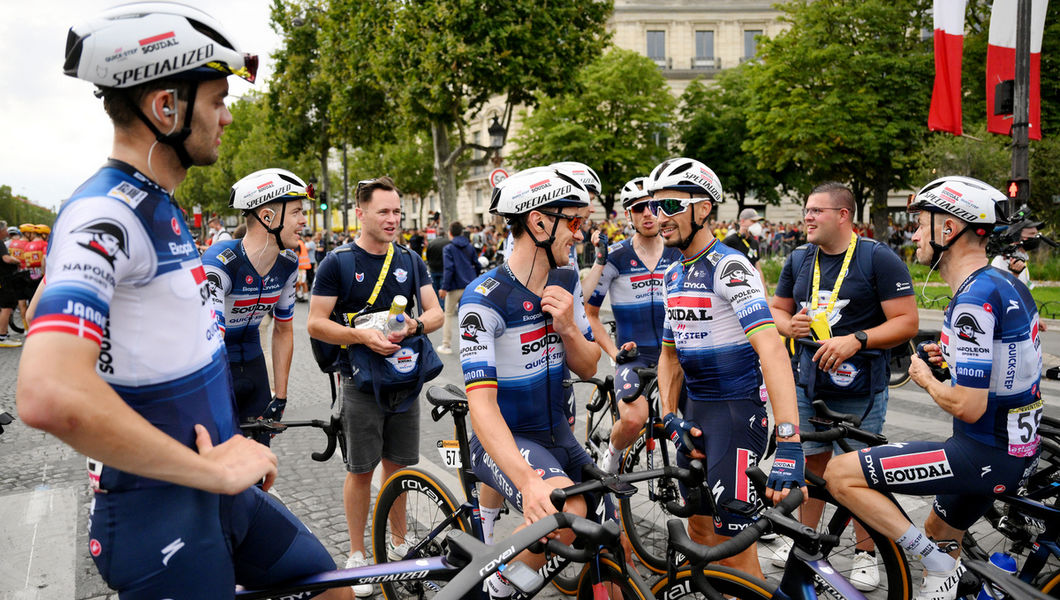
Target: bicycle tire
{"type": "Point", "coordinates": [729, 582]}
{"type": "Point", "coordinates": [644, 518]}
{"type": "Point", "coordinates": [895, 575]}
{"type": "Point", "coordinates": [1050, 585]}
{"type": "Point", "coordinates": [626, 585]}
{"type": "Point", "coordinates": [16, 323]}
{"type": "Point", "coordinates": [427, 502]}
{"type": "Point", "coordinates": [598, 426]}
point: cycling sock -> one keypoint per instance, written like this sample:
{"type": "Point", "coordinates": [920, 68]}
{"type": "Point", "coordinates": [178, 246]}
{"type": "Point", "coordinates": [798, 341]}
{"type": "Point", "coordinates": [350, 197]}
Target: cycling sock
{"type": "Point", "coordinates": [611, 458]}
{"type": "Point", "coordinates": [488, 517]}
{"type": "Point", "coordinates": [922, 547]}
{"type": "Point", "coordinates": [498, 587]}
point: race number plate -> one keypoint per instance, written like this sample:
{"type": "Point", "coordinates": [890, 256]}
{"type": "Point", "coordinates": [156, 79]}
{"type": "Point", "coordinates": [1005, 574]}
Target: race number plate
{"type": "Point", "coordinates": [450, 452]}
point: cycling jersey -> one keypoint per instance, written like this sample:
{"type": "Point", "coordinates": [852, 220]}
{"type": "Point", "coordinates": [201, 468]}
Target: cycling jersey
{"type": "Point", "coordinates": [121, 259]}
{"type": "Point", "coordinates": [507, 343]}
{"type": "Point", "coordinates": [33, 253]}
{"type": "Point", "coordinates": [715, 301]}
{"type": "Point", "coordinates": [636, 294]}
{"type": "Point", "coordinates": [241, 297]}
{"type": "Point", "coordinates": [17, 249]}
{"type": "Point", "coordinates": [990, 341]}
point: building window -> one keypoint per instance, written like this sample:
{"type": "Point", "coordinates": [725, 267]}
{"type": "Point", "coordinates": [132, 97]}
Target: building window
{"type": "Point", "coordinates": [704, 57]}
{"type": "Point", "coordinates": [478, 199]}
{"type": "Point", "coordinates": [750, 46]}
{"type": "Point", "coordinates": [657, 47]}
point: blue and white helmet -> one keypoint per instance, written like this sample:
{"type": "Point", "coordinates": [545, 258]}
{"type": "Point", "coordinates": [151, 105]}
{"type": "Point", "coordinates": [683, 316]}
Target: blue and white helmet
{"type": "Point", "coordinates": [686, 175]}
{"type": "Point", "coordinates": [634, 190]}
{"type": "Point", "coordinates": [966, 198]}
{"type": "Point", "coordinates": [583, 173]}
{"type": "Point", "coordinates": [265, 186]}
{"type": "Point", "coordinates": [537, 188]}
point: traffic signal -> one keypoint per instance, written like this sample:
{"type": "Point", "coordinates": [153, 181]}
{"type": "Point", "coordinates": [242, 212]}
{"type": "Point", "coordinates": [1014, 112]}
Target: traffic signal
{"type": "Point", "coordinates": [323, 200]}
{"type": "Point", "coordinates": [1018, 189]}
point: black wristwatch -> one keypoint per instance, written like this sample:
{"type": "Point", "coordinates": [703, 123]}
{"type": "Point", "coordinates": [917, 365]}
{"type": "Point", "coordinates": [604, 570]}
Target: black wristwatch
{"type": "Point", "coordinates": [862, 337]}
{"type": "Point", "coordinates": [787, 430]}
{"type": "Point", "coordinates": [419, 325]}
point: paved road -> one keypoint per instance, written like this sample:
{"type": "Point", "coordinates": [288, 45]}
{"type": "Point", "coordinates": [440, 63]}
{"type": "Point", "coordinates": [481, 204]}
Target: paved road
{"type": "Point", "coordinates": [44, 497]}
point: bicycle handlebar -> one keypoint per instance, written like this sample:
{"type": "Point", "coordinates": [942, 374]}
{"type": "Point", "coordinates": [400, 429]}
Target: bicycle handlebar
{"type": "Point", "coordinates": [692, 477]}
{"type": "Point", "coordinates": [330, 430]}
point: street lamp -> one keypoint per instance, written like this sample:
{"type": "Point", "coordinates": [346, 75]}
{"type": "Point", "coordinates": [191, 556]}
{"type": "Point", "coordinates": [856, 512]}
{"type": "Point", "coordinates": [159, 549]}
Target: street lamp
{"type": "Point", "coordinates": [497, 133]}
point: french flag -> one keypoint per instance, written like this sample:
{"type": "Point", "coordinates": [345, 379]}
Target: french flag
{"type": "Point", "coordinates": [1001, 62]}
{"type": "Point", "coordinates": [945, 112]}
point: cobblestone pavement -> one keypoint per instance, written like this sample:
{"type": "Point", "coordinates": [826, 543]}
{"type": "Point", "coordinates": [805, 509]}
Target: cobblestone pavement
{"type": "Point", "coordinates": [33, 463]}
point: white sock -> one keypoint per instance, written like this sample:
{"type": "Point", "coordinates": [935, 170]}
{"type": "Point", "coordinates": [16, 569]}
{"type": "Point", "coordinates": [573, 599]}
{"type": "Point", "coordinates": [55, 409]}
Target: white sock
{"type": "Point", "coordinates": [488, 516]}
{"type": "Point", "coordinates": [611, 459]}
{"type": "Point", "coordinates": [920, 546]}
{"type": "Point", "coordinates": [498, 587]}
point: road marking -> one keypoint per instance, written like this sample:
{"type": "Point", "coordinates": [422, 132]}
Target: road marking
{"type": "Point", "coordinates": [38, 543]}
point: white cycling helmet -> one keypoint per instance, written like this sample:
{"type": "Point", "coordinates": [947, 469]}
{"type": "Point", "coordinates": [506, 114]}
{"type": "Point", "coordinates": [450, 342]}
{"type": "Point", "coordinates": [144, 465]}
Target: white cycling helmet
{"type": "Point", "coordinates": [634, 190]}
{"type": "Point", "coordinates": [13, 231]}
{"type": "Point", "coordinates": [135, 43]}
{"type": "Point", "coordinates": [265, 186]}
{"type": "Point", "coordinates": [537, 188]}
{"type": "Point", "coordinates": [968, 199]}
{"type": "Point", "coordinates": [686, 175]}
{"type": "Point", "coordinates": [583, 173]}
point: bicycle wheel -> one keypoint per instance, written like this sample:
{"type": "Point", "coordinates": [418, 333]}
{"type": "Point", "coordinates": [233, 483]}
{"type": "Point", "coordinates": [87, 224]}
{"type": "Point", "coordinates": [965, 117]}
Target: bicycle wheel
{"type": "Point", "coordinates": [426, 502]}
{"type": "Point", "coordinates": [895, 578]}
{"type": "Point", "coordinates": [1005, 530]}
{"type": "Point", "coordinates": [729, 582]}
{"type": "Point", "coordinates": [16, 323]}
{"type": "Point", "coordinates": [598, 427]}
{"type": "Point", "coordinates": [1050, 585]}
{"type": "Point", "coordinates": [644, 514]}
{"type": "Point", "coordinates": [618, 585]}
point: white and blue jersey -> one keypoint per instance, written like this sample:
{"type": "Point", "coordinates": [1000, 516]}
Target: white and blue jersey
{"type": "Point", "coordinates": [241, 297]}
{"type": "Point", "coordinates": [636, 295]}
{"type": "Point", "coordinates": [507, 343]}
{"type": "Point", "coordinates": [715, 302]}
{"type": "Point", "coordinates": [990, 341]}
{"type": "Point", "coordinates": [120, 259]}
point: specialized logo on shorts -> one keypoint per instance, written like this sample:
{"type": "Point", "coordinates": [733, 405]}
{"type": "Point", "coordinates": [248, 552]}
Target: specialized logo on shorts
{"type": "Point", "coordinates": [528, 306]}
{"type": "Point", "coordinates": [104, 237]}
{"type": "Point", "coordinates": [401, 275]}
{"type": "Point", "coordinates": [175, 224]}
{"type": "Point", "coordinates": [917, 467]}
{"type": "Point", "coordinates": [735, 275]}
{"type": "Point", "coordinates": [359, 277]}
{"type": "Point", "coordinates": [967, 327]}
{"type": "Point", "coordinates": [488, 285]}
{"type": "Point", "coordinates": [94, 547]}
{"type": "Point", "coordinates": [470, 327]}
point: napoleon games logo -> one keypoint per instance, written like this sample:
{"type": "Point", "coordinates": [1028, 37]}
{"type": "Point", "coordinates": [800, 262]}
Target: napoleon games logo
{"type": "Point", "coordinates": [470, 327]}
{"type": "Point", "coordinates": [105, 237]}
{"type": "Point", "coordinates": [735, 275]}
{"type": "Point", "coordinates": [967, 328]}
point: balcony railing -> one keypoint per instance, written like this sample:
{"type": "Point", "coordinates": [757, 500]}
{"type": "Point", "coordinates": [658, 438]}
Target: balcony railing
{"type": "Point", "coordinates": [703, 62]}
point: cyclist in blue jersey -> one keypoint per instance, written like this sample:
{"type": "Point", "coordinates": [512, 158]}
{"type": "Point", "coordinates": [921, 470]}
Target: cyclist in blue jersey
{"type": "Point", "coordinates": [124, 360]}
{"type": "Point", "coordinates": [717, 332]}
{"type": "Point", "coordinates": [990, 341]}
{"type": "Point", "coordinates": [632, 272]}
{"type": "Point", "coordinates": [520, 329]}
{"type": "Point", "coordinates": [256, 275]}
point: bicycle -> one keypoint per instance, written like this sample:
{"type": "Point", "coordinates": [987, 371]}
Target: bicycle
{"type": "Point", "coordinates": [430, 508]}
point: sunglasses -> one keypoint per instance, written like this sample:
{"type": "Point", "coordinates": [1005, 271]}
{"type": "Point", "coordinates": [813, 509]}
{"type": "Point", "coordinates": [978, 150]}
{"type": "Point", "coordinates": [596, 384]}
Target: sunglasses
{"type": "Point", "coordinates": [574, 222]}
{"type": "Point", "coordinates": [639, 207]}
{"type": "Point", "coordinates": [670, 207]}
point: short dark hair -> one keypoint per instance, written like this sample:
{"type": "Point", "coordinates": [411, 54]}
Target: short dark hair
{"type": "Point", "coordinates": [456, 229]}
{"type": "Point", "coordinates": [838, 193]}
{"type": "Point", "coordinates": [121, 104]}
{"type": "Point", "coordinates": [366, 188]}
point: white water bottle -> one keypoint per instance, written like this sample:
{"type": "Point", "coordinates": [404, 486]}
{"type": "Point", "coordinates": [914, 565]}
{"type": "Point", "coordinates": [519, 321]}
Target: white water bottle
{"type": "Point", "coordinates": [395, 325]}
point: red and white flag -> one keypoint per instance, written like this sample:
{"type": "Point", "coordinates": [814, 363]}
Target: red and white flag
{"type": "Point", "coordinates": [1001, 62]}
{"type": "Point", "coordinates": [945, 113]}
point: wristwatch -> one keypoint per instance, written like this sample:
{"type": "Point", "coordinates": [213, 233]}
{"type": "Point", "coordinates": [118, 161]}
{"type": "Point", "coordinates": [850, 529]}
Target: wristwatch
{"type": "Point", "coordinates": [787, 430]}
{"type": "Point", "coordinates": [419, 325]}
{"type": "Point", "coordinates": [862, 337]}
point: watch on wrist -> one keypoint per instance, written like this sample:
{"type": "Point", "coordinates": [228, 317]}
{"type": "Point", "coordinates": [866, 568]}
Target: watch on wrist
{"type": "Point", "coordinates": [862, 337]}
{"type": "Point", "coordinates": [419, 326]}
{"type": "Point", "coordinates": [787, 430]}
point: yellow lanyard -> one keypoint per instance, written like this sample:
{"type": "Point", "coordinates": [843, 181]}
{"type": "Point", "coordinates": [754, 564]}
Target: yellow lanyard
{"type": "Point", "coordinates": [378, 285]}
{"type": "Point", "coordinates": [820, 320]}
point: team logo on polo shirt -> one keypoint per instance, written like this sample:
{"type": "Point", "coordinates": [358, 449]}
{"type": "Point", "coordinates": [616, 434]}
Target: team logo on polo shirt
{"type": "Point", "coordinates": [916, 467]}
{"type": "Point", "coordinates": [401, 275]}
{"type": "Point", "coordinates": [359, 277]}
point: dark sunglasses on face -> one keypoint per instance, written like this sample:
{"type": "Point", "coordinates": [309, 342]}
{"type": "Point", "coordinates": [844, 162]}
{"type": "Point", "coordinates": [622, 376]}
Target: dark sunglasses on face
{"type": "Point", "coordinates": [639, 207]}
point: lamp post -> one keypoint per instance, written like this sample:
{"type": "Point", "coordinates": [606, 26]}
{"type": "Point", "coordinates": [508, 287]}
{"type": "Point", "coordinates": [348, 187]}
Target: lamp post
{"type": "Point", "coordinates": [497, 133]}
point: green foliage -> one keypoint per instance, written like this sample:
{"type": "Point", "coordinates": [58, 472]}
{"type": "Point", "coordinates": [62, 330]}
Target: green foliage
{"type": "Point", "coordinates": [985, 157]}
{"type": "Point", "coordinates": [610, 120]}
{"type": "Point", "coordinates": [407, 160]}
{"type": "Point", "coordinates": [17, 210]}
{"type": "Point", "coordinates": [713, 126]}
{"type": "Point", "coordinates": [843, 94]}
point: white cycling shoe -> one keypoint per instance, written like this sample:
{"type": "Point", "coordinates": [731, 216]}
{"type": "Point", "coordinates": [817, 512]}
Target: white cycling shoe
{"type": "Point", "coordinates": [940, 585]}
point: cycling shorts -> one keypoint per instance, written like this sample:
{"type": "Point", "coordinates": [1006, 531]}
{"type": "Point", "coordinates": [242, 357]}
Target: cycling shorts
{"type": "Point", "coordinates": [734, 438]}
{"type": "Point", "coordinates": [558, 455]}
{"type": "Point", "coordinates": [963, 474]}
{"type": "Point", "coordinates": [250, 382]}
{"type": "Point", "coordinates": [627, 382]}
{"type": "Point", "coordinates": [179, 542]}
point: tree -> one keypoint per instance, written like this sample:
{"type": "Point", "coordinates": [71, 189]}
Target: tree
{"type": "Point", "coordinates": [713, 125]}
{"type": "Point", "coordinates": [441, 61]}
{"type": "Point", "coordinates": [17, 210]}
{"type": "Point", "coordinates": [611, 120]}
{"type": "Point", "coordinates": [843, 94]}
{"type": "Point", "coordinates": [975, 155]}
